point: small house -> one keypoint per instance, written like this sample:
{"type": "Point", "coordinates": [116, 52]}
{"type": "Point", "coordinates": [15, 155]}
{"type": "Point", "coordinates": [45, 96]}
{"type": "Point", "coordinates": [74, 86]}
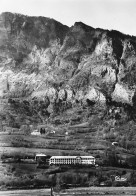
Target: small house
{"type": "Point", "coordinates": [42, 159]}
{"type": "Point", "coordinates": [35, 132]}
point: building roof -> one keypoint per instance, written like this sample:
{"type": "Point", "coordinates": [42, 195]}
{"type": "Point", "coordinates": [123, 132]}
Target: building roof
{"type": "Point", "coordinates": [70, 157]}
{"type": "Point", "coordinates": [41, 155]}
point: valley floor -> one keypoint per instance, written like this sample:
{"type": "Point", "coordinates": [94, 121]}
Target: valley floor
{"type": "Point", "coordinates": [18, 168]}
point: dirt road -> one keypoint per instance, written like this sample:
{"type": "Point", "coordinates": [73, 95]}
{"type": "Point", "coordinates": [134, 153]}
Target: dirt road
{"type": "Point", "coordinates": [35, 192]}
{"type": "Point", "coordinates": [92, 191]}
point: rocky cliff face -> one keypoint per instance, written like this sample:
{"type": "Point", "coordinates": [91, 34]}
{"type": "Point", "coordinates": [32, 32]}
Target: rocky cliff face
{"type": "Point", "coordinates": [54, 68]}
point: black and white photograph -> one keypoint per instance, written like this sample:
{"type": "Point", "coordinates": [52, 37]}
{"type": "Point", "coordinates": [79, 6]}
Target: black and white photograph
{"type": "Point", "coordinates": [67, 97]}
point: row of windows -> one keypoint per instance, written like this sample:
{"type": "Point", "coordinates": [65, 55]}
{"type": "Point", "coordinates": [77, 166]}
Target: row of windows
{"type": "Point", "coordinates": [86, 163]}
{"type": "Point", "coordinates": [64, 160]}
{"type": "Point", "coordinates": [72, 159]}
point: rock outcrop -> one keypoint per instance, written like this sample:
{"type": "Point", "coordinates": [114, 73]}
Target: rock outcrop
{"type": "Point", "coordinates": [42, 59]}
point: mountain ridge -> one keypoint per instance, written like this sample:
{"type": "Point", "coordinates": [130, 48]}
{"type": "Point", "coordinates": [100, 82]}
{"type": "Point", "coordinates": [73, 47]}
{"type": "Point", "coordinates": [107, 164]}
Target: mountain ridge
{"type": "Point", "coordinates": [43, 59]}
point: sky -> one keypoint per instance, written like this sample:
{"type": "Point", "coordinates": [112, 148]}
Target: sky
{"type": "Point", "coordinates": [107, 14]}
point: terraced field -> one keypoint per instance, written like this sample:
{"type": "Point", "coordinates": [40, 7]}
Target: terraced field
{"type": "Point", "coordinates": [17, 152]}
{"type": "Point", "coordinates": [18, 168]}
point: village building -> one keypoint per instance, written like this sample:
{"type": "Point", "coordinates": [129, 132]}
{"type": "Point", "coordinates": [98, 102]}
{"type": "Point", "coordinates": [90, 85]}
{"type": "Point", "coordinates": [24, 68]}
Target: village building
{"type": "Point", "coordinates": [69, 160]}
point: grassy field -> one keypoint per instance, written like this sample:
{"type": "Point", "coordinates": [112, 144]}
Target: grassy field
{"type": "Point", "coordinates": [18, 168]}
{"type": "Point", "coordinates": [15, 148]}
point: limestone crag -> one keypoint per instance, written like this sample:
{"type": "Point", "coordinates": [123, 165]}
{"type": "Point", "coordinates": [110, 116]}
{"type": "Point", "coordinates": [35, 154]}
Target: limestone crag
{"type": "Point", "coordinates": [43, 59]}
{"type": "Point", "coordinates": [123, 94]}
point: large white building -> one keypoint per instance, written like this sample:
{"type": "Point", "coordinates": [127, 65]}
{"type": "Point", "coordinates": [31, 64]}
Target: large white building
{"type": "Point", "coordinates": [72, 160]}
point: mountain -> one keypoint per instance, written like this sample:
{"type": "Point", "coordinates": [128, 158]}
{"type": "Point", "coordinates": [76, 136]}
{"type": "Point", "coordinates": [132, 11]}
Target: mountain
{"type": "Point", "coordinates": [79, 81]}
{"type": "Point", "coordinates": [65, 75]}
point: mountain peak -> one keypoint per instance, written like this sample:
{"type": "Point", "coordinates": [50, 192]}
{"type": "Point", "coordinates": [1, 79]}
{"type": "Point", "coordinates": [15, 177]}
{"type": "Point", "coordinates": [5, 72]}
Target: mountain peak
{"type": "Point", "coordinates": [83, 26]}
